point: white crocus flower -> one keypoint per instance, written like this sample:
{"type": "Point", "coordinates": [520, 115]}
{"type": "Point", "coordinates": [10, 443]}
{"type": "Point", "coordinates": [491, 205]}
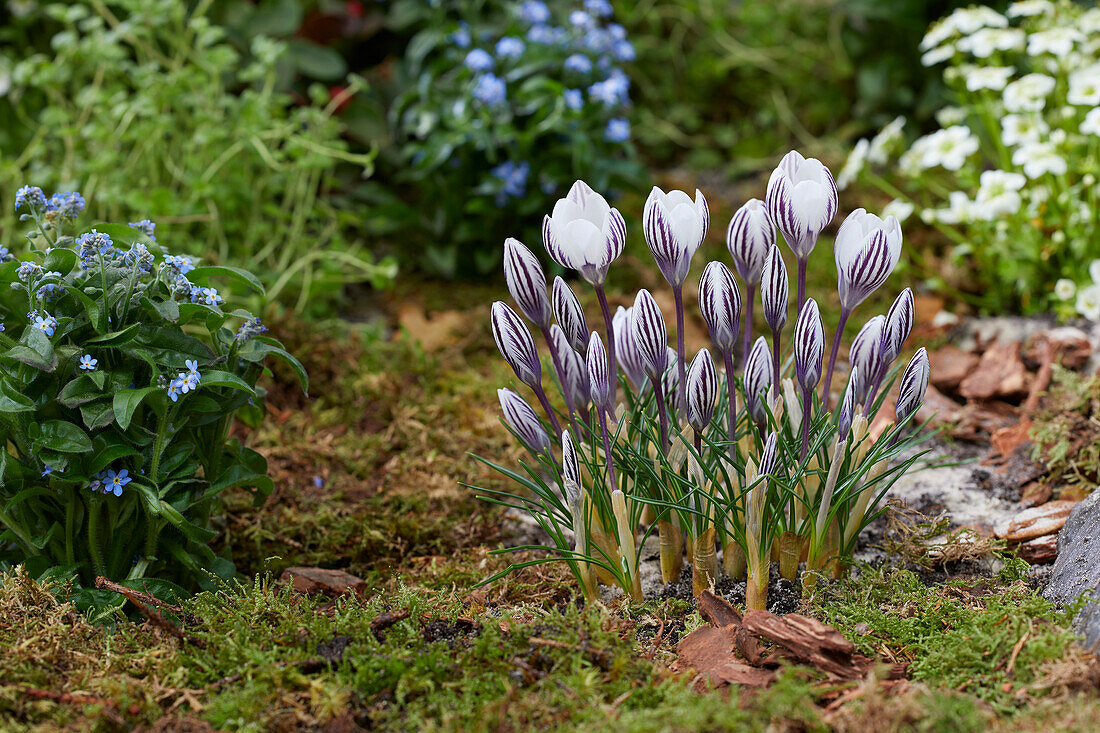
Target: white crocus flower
{"type": "Point", "coordinates": [1038, 159]}
{"type": "Point", "coordinates": [1028, 93]}
{"type": "Point", "coordinates": [854, 165]}
{"type": "Point", "coordinates": [1091, 123]}
{"type": "Point", "coordinates": [987, 77]}
{"type": "Point", "coordinates": [1088, 302]}
{"type": "Point", "coordinates": [1065, 289]}
{"type": "Point", "coordinates": [584, 233]}
{"type": "Point", "coordinates": [1055, 41]}
{"type": "Point", "coordinates": [866, 250]}
{"type": "Point", "coordinates": [1026, 8]}
{"type": "Point", "coordinates": [900, 210]}
{"type": "Point", "coordinates": [675, 226]}
{"type": "Point", "coordinates": [1023, 129]}
{"type": "Point", "coordinates": [1084, 86]}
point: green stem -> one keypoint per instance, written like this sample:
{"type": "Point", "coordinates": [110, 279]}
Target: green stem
{"type": "Point", "coordinates": [93, 537]}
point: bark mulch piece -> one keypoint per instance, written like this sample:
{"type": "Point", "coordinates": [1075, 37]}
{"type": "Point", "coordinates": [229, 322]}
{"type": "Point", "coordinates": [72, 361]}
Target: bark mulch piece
{"type": "Point", "coordinates": [322, 580]}
{"type": "Point", "coordinates": [745, 649]}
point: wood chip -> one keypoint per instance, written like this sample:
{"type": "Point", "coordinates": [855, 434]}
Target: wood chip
{"type": "Point", "coordinates": [1006, 441]}
{"type": "Point", "coordinates": [1035, 493]}
{"type": "Point", "coordinates": [1036, 522]}
{"type": "Point", "coordinates": [322, 580]}
{"type": "Point", "coordinates": [949, 366]}
{"type": "Point", "coordinates": [1000, 373]}
{"type": "Point", "coordinates": [1039, 550]}
{"type": "Point", "coordinates": [711, 652]}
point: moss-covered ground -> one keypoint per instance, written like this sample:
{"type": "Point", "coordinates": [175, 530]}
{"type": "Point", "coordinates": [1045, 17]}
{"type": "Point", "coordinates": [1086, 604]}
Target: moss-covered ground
{"type": "Point", "coordinates": [368, 475]}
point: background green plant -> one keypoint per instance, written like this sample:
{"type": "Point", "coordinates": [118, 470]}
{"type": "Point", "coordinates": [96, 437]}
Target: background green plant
{"type": "Point", "coordinates": [146, 107]}
{"type": "Point", "coordinates": [66, 425]}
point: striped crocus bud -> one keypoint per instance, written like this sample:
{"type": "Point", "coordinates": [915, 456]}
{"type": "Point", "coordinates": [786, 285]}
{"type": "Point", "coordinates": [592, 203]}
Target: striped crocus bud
{"type": "Point", "coordinates": [526, 282]}
{"type": "Point", "coordinates": [702, 390]}
{"type": "Point", "coordinates": [750, 237]}
{"type": "Point", "coordinates": [866, 250]}
{"type": "Point", "coordinates": [720, 303]}
{"type": "Point", "coordinates": [599, 381]}
{"type": "Point", "coordinates": [670, 383]}
{"type": "Point", "coordinates": [516, 345]}
{"type": "Point", "coordinates": [865, 355]}
{"type": "Point", "coordinates": [573, 366]}
{"type": "Point", "coordinates": [774, 291]}
{"type": "Point", "coordinates": [570, 465]}
{"type": "Point", "coordinates": [626, 353]}
{"type": "Point", "coordinates": [801, 201]}
{"type": "Point", "coordinates": [914, 381]}
{"type": "Point", "coordinates": [584, 233]}
{"type": "Point", "coordinates": [647, 325]}
{"type": "Point", "coordinates": [674, 228]}
{"type": "Point", "coordinates": [767, 458]}
{"type": "Point", "coordinates": [848, 406]}
{"type": "Point", "coordinates": [523, 420]}
{"type": "Point", "coordinates": [570, 315]}
{"type": "Point", "coordinates": [809, 346]}
{"type": "Point", "coordinates": [899, 323]}
{"type": "Point", "coordinates": [758, 379]}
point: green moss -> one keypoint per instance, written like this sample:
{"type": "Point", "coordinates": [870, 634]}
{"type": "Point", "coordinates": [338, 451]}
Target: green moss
{"type": "Point", "coordinates": [962, 635]}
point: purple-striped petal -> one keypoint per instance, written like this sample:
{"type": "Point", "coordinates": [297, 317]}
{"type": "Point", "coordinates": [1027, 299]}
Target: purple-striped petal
{"type": "Point", "coordinates": [526, 282]}
{"type": "Point", "coordinates": [766, 467]}
{"type": "Point", "coordinates": [570, 315]}
{"type": "Point", "coordinates": [572, 364]}
{"type": "Point", "coordinates": [516, 345]}
{"type": "Point", "coordinates": [570, 464]}
{"type": "Point", "coordinates": [865, 355]}
{"type": "Point", "coordinates": [702, 390]}
{"type": "Point", "coordinates": [801, 200]}
{"type": "Point", "coordinates": [809, 345]}
{"type": "Point", "coordinates": [758, 380]}
{"type": "Point", "coordinates": [674, 227]}
{"type": "Point", "coordinates": [775, 290]}
{"type": "Point", "coordinates": [866, 250]}
{"type": "Point", "coordinates": [720, 304]}
{"type": "Point", "coordinates": [524, 421]}
{"type": "Point", "coordinates": [899, 324]}
{"type": "Point", "coordinates": [647, 325]}
{"type": "Point", "coordinates": [626, 352]}
{"type": "Point", "coordinates": [670, 383]}
{"type": "Point", "coordinates": [584, 233]}
{"type": "Point", "coordinates": [914, 381]}
{"type": "Point", "coordinates": [750, 237]}
{"type": "Point", "coordinates": [599, 381]}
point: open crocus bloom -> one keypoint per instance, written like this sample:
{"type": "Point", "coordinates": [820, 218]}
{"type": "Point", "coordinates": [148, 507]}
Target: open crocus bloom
{"type": "Point", "coordinates": [866, 249]}
{"type": "Point", "coordinates": [674, 228]}
{"type": "Point", "coordinates": [584, 233]}
{"type": "Point", "coordinates": [802, 200]}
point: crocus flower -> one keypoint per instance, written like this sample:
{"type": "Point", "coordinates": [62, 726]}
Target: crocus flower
{"type": "Point", "coordinates": [516, 345]}
{"type": "Point", "coordinates": [865, 355]}
{"type": "Point", "coordinates": [720, 304]}
{"type": "Point", "coordinates": [630, 360]}
{"type": "Point", "coordinates": [899, 323]}
{"type": "Point", "coordinates": [757, 380]}
{"type": "Point", "coordinates": [523, 420]}
{"type": "Point", "coordinates": [675, 226]}
{"type": "Point", "coordinates": [914, 382]}
{"type": "Point", "coordinates": [866, 249]}
{"type": "Point", "coordinates": [702, 391]}
{"type": "Point", "coordinates": [526, 282]}
{"type": "Point", "coordinates": [570, 463]}
{"type": "Point", "coordinates": [599, 380]}
{"type": "Point", "coordinates": [584, 233]}
{"type": "Point", "coordinates": [809, 346]}
{"type": "Point", "coordinates": [569, 315]}
{"type": "Point", "coordinates": [650, 335]}
{"type": "Point", "coordinates": [802, 200]}
{"type": "Point", "coordinates": [750, 238]}
{"type": "Point", "coordinates": [774, 293]}
{"type": "Point", "coordinates": [574, 373]}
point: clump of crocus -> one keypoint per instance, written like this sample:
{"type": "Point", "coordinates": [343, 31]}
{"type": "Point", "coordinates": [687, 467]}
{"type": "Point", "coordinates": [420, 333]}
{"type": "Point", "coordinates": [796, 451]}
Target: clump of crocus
{"type": "Point", "coordinates": [754, 462]}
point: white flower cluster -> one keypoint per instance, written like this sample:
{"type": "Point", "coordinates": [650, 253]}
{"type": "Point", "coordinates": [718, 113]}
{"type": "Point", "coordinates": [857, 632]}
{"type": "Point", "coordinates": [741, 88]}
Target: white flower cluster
{"type": "Point", "coordinates": [1010, 159]}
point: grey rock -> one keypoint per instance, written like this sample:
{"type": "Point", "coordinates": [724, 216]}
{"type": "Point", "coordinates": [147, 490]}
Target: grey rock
{"type": "Point", "coordinates": [1077, 569]}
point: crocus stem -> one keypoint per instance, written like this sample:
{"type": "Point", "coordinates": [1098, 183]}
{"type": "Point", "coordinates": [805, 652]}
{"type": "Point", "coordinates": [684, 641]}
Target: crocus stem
{"type": "Point", "coordinates": [607, 450]}
{"type": "Point", "coordinates": [750, 295]}
{"type": "Point", "coordinates": [662, 413]}
{"type": "Point", "coordinates": [807, 396]}
{"type": "Point", "coordinates": [775, 358]}
{"type": "Point", "coordinates": [559, 370]}
{"type": "Point", "coordinates": [612, 364]}
{"type": "Point", "coordinates": [844, 313]}
{"type": "Point", "coordinates": [681, 368]}
{"type": "Point", "coordinates": [801, 283]}
{"type": "Point", "coordinates": [541, 394]}
{"type": "Point", "coordinates": [870, 403]}
{"type": "Point", "coordinates": [732, 403]}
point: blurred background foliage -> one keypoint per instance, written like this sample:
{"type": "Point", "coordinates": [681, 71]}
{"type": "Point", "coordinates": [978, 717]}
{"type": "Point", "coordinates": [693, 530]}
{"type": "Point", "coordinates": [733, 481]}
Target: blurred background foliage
{"type": "Point", "coordinates": [320, 141]}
